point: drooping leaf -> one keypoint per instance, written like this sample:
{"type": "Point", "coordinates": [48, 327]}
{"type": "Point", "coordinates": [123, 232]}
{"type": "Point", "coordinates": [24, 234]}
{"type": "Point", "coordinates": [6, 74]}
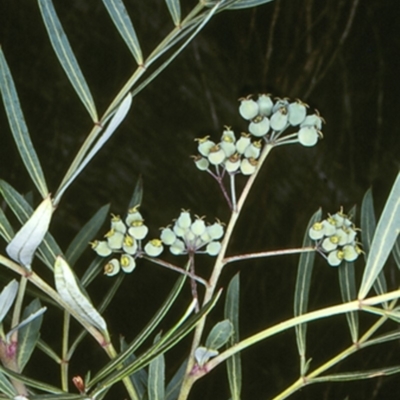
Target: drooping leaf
{"type": "Point", "coordinates": [384, 239]}
{"type": "Point", "coordinates": [231, 312]}
{"type": "Point", "coordinates": [19, 129]}
{"type": "Point", "coordinates": [24, 244]}
{"type": "Point", "coordinates": [174, 7]}
{"type": "Point", "coordinates": [7, 297]}
{"type": "Point", "coordinates": [219, 335]}
{"type": "Point", "coordinates": [156, 378]}
{"type": "Point", "coordinates": [117, 118]}
{"type": "Point", "coordinates": [66, 56]}
{"type": "Point", "coordinates": [121, 20]}
{"type": "Point", "coordinates": [70, 292]}
{"type": "Point", "coordinates": [80, 242]}
{"type": "Point", "coordinates": [29, 334]}
{"type": "Point", "coordinates": [302, 291]}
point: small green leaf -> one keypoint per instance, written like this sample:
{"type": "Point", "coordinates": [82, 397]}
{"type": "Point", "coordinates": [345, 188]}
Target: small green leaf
{"type": "Point", "coordinates": [137, 195]}
{"type": "Point", "coordinates": [302, 291]}
{"type": "Point", "coordinates": [121, 19]}
{"type": "Point", "coordinates": [219, 335]}
{"type": "Point", "coordinates": [231, 312]}
{"type": "Point", "coordinates": [174, 8]}
{"type": "Point", "coordinates": [156, 379]}
{"type": "Point", "coordinates": [6, 387]}
{"type": "Point", "coordinates": [80, 242]}
{"type": "Point", "coordinates": [202, 355]}
{"type": "Point", "coordinates": [66, 56]}
{"type": "Point", "coordinates": [24, 244]}
{"type": "Point", "coordinates": [6, 230]}
{"type": "Point", "coordinates": [19, 129]}
{"type": "Point", "coordinates": [29, 334]}
{"type": "Point", "coordinates": [384, 239]}
{"type": "Point", "coordinates": [7, 297]}
{"type": "Point", "coordinates": [174, 386]}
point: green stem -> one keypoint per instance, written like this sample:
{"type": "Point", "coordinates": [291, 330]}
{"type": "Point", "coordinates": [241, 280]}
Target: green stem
{"type": "Point", "coordinates": [64, 351]}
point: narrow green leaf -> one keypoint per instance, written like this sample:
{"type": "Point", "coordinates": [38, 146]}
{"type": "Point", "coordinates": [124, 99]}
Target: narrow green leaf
{"type": "Point", "coordinates": [121, 19]}
{"type": "Point", "coordinates": [174, 7]}
{"type": "Point", "coordinates": [19, 129]}
{"type": "Point", "coordinates": [7, 297]}
{"type": "Point", "coordinates": [384, 238]}
{"type": "Point", "coordinates": [156, 379]}
{"type": "Point", "coordinates": [45, 348]}
{"type": "Point", "coordinates": [29, 334]}
{"type": "Point", "coordinates": [6, 230]}
{"type": "Point", "coordinates": [239, 4]}
{"type": "Point", "coordinates": [137, 195]}
{"type": "Point", "coordinates": [66, 56]}
{"type": "Point", "coordinates": [219, 335]}
{"type": "Point", "coordinates": [347, 283]}
{"type": "Point", "coordinates": [81, 241]}
{"type": "Point", "coordinates": [24, 244]}
{"type": "Point", "coordinates": [49, 249]}
{"type": "Point", "coordinates": [396, 252]}
{"type": "Point", "coordinates": [231, 312]}
{"type": "Point", "coordinates": [174, 386]}
{"type": "Point", "coordinates": [6, 387]}
{"type": "Point", "coordinates": [302, 290]}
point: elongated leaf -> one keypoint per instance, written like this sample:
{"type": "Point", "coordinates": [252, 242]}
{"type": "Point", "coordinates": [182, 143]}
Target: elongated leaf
{"type": "Point", "coordinates": [302, 291]}
{"type": "Point", "coordinates": [396, 252]}
{"type": "Point", "coordinates": [231, 312]}
{"type": "Point", "coordinates": [66, 56]}
{"type": "Point", "coordinates": [29, 334]}
{"type": "Point", "coordinates": [174, 7]}
{"type": "Point", "coordinates": [219, 335]}
{"type": "Point", "coordinates": [7, 297]}
{"type": "Point", "coordinates": [19, 129]}
{"type": "Point", "coordinates": [6, 230]}
{"type": "Point", "coordinates": [239, 4]}
{"type": "Point", "coordinates": [23, 246]}
{"type": "Point", "coordinates": [6, 387]}
{"type": "Point", "coordinates": [70, 292]}
{"type": "Point", "coordinates": [117, 118]}
{"type": "Point", "coordinates": [49, 248]}
{"type": "Point", "coordinates": [156, 381]}
{"type": "Point", "coordinates": [121, 19]}
{"type": "Point", "coordinates": [80, 242]}
{"type": "Point", "coordinates": [384, 238]}
{"type": "Point", "coordinates": [173, 387]}
{"type": "Point", "coordinates": [137, 195]}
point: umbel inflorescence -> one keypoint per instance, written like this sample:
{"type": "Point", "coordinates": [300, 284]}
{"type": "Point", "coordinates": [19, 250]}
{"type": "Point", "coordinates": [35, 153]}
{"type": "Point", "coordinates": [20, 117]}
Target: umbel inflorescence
{"type": "Point", "coordinates": [336, 238]}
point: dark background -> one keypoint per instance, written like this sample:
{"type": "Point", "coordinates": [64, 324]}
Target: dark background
{"type": "Point", "coordinates": [341, 57]}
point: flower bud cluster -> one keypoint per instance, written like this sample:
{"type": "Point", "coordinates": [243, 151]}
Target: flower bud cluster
{"type": "Point", "coordinates": [188, 236]}
{"type": "Point", "coordinates": [337, 237]}
{"type": "Point", "coordinates": [233, 155]}
{"type": "Point", "coordinates": [125, 239]}
{"type": "Point", "coordinates": [269, 118]}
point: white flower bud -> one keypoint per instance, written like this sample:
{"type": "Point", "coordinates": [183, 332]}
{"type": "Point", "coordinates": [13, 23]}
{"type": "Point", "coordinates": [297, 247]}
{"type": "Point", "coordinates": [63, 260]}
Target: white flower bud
{"type": "Point", "coordinates": [280, 103]}
{"type": "Point", "coordinates": [279, 119]}
{"type": "Point", "coordinates": [335, 258]}
{"type": "Point", "coordinates": [265, 105]}
{"type": "Point", "coordinates": [201, 163]}
{"type": "Point", "coordinates": [138, 230]}
{"type": "Point", "coordinates": [243, 143]}
{"type": "Point", "coordinates": [229, 148]}
{"type": "Point", "coordinates": [112, 267]}
{"type": "Point", "coordinates": [184, 220]}
{"type": "Point", "coordinates": [204, 145]}
{"type": "Point", "coordinates": [117, 224]}
{"type": "Point", "coordinates": [316, 232]}
{"type": "Point", "coordinates": [215, 231]}
{"type": "Point", "coordinates": [248, 109]}
{"type": "Point", "coordinates": [168, 236]}
{"type": "Point", "coordinates": [297, 113]}
{"type": "Point", "coordinates": [350, 252]}
{"type": "Point", "coordinates": [253, 150]}
{"type": "Point", "coordinates": [129, 245]}
{"type": "Point", "coordinates": [213, 248]}
{"type": "Point", "coordinates": [101, 248]}
{"type": "Point", "coordinates": [178, 247]}
{"type": "Point", "coordinates": [228, 136]}
{"type": "Point", "coordinates": [248, 166]}
{"type": "Point", "coordinates": [232, 163]}
{"type": "Point", "coordinates": [114, 239]}
{"type": "Point", "coordinates": [127, 263]}
{"type": "Point", "coordinates": [154, 248]}
{"type": "Point", "coordinates": [330, 243]}
{"type": "Point", "coordinates": [198, 227]}
{"type": "Point", "coordinates": [133, 215]}
{"type": "Point", "coordinates": [329, 226]}
{"type": "Point", "coordinates": [259, 127]}
{"type": "Point", "coordinates": [216, 155]}
{"type": "Point", "coordinates": [313, 120]}
{"type": "Point", "coordinates": [308, 136]}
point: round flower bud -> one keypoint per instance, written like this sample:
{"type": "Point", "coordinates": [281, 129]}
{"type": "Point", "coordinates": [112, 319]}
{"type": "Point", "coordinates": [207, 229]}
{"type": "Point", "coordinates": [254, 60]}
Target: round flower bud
{"type": "Point", "coordinates": [216, 155]}
{"type": "Point", "coordinates": [279, 119]}
{"type": "Point", "coordinates": [154, 248]}
{"type": "Point", "coordinates": [198, 227]}
{"type": "Point", "coordinates": [215, 231]}
{"type": "Point", "coordinates": [243, 143]}
{"type": "Point", "coordinates": [133, 215]}
{"type": "Point", "coordinates": [127, 263]}
{"type": "Point", "coordinates": [228, 136]}
{"type": "Point", "coordinates": [330, 243]}
{"type": "Point", "coordinates": [335, 258]}
{"type": "Point", "coordinates": [248, 166]}
{"type": "Point", "coordinates": [232, 163]}
{"type": "Point", "coordinates": [101, 248]}
{"type": "Point", "coordinates": [189, 236]}
{"type": "Point", "coordinates": [205, 237]}
{"type": "Point", "coordinates": [168, 236]}
{"type": "Point", "coordinates": [204, 145]}
{"type": "Point", "coordinates": [112, 267]}
{"type": "Point", "coordinates": [316, 232]}
{"type": "Point", "coordinates": [129, 245]}
{"type": "Point", "coordinates": [351, 235]}
{"type": "Point", "coordinates": [213, 248]}
{"type": "Point", "coordinates": [114, 239]}
{"type": "Point", "coordinates": [280, 103]}
{"type": "Point", "coordinates": [343, 237]}
{"type": "Point", "coordinates": [265, 105]}
{"type": "Point", "coordinates": [260, 127]}
{"type": "Point", "coordinates": [117, 224]}
{"type": "Point", "coordinates": [138, 230]}
{"type": "Point", "coordinates": [297, 113]}
{"type": "Point", "coordinates": [184, 220]}
{"type": "Point", "coordinates": [308, 136]}
{"type": "Point", "coordinates": [253, 150]}
{"type": "Point", "coordinates": [201, 163]}
{"type": "Point", "coordinates": [248, 109]}
{"type": "Point", "coordinates": [329, 226]}
{"type": "Point", "coordinates": [180, 232]}
{"type": "Point", "coordinates": [229, 148]}
{"type": "Point", "coordinates": [350, 253]}
{"type": "Point", "coordinates": [313, 120]}
{"type": "Point", "coordinates": [177, 248]}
